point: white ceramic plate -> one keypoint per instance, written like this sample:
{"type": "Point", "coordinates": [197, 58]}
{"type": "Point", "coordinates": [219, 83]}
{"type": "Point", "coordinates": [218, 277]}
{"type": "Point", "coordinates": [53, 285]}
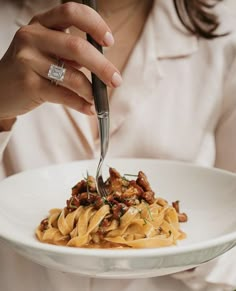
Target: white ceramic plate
{"type": "Point", "coordinates": [206, 195]}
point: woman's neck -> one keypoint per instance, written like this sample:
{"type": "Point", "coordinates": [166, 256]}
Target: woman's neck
{"type": "Point", "coordinates": [113, 6]}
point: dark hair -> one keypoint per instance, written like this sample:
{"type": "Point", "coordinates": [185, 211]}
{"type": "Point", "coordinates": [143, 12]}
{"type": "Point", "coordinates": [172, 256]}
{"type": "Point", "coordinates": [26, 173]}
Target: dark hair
{"type": "Point", "coordinates": [198, 17]}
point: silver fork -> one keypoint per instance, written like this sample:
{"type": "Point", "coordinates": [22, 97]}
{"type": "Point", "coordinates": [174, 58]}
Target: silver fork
{"type": "Point", "coordinates": [103, 123]}
{"type": "Point", "coordinates": [102, 109]}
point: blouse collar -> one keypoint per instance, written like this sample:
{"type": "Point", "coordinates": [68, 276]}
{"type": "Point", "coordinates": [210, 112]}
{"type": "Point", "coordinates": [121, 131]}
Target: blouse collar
{"type": "Point", "coordinates": [171, 37]}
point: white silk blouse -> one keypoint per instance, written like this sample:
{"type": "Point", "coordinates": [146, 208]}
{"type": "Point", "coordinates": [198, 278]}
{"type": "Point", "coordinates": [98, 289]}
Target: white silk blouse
{"type": "Point", "coordinates": [177, 101]}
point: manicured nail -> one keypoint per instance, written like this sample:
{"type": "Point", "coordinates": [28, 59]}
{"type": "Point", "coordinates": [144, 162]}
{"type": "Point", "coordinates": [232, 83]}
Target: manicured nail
{"type": "Point", "coordinates": [108, 39]}
{"type": "Point", "coordinates": [116, 80]}
{"type": "Point", "coordinates": [92, 109]}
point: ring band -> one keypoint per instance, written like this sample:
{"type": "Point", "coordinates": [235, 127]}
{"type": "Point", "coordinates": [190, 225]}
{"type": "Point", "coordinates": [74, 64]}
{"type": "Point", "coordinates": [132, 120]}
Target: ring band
{"type": "Point", "coordinates": [56, 73]}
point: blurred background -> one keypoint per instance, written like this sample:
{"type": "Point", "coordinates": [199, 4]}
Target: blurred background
{"type": "Point", "coordinates": [232, 3]}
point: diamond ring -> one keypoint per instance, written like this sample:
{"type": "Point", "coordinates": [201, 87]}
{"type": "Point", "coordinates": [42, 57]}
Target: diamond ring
{"type": "Point", "coordinates": [56, 73]}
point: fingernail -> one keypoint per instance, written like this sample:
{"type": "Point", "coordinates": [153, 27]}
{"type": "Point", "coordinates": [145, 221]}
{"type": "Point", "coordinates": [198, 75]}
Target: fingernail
{"type": "Point", "coordinates": [92, 109]}
{"type": "Point", "coordinates": [108, 39]}
{"type": "Point", "coordinates": [116, 80]}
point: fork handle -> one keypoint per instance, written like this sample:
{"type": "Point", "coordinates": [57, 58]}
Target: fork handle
{"type": "Point", "coordinates": [99, 88]}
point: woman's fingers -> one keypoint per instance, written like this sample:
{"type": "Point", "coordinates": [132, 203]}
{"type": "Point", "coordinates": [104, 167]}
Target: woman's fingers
{"type": "Point", "coordinates": [31, 68]}
{"type": "Point", "coordinates": [80, 16]}
{"type": "Point", "coordinates": [33, 50]}
{"type": "Point", "coordinates": [47, 35]}
{"type": "Point", "coordinates": [56, 94]}
{"type": "Point", "coordinates": [77, 49]}
{"type": "Point", "coordinates": [74, 79]}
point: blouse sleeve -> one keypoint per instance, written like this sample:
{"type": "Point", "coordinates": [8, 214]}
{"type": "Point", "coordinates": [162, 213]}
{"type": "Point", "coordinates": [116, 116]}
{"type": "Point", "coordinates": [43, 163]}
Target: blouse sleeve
{"type": "Point", "coordinates": [225, 135]}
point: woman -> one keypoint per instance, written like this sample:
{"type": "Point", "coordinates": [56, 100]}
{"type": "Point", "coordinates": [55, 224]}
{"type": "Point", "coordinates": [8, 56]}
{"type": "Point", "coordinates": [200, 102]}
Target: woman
{"type": "Point", "coordinates": [176, 74]}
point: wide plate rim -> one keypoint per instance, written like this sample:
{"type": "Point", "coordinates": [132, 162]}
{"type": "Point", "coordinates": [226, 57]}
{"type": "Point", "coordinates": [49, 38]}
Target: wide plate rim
{"type": "Point", "coordinates": [128, 253]}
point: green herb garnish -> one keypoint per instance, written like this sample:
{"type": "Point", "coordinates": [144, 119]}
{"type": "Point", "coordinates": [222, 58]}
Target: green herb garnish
{"type": "Point", "coordinates": [124, 178]}
{"type": "Point", "coordinates": [145, 221]}
{"type": "Point", "coordinates": [149, 211]}
{"type": "Point", "coordinates": [130, 175]}
{"type": "Point", "coordinates": [71, 205]}
{"type": "Point", "coordinates": [106, 201]}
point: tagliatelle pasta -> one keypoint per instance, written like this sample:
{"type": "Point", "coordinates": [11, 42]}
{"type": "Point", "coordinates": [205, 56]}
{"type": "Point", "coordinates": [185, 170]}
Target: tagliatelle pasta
{"type": "Point", "coordinates": [129, 216]}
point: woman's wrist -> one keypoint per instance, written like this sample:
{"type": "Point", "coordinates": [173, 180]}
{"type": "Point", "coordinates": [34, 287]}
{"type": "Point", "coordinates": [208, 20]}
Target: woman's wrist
{"type": "Point", "coordinates": [6, 124]}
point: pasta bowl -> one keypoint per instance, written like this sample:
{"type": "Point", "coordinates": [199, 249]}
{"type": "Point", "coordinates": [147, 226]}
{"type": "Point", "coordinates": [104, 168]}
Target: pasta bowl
{"type": "Point", "coordinates": [207, 196]}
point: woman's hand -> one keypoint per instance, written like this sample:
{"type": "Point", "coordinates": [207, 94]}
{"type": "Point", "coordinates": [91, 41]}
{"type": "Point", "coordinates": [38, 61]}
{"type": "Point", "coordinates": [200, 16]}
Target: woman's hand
{"type": "Point", "coordinates": [24, 68]}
